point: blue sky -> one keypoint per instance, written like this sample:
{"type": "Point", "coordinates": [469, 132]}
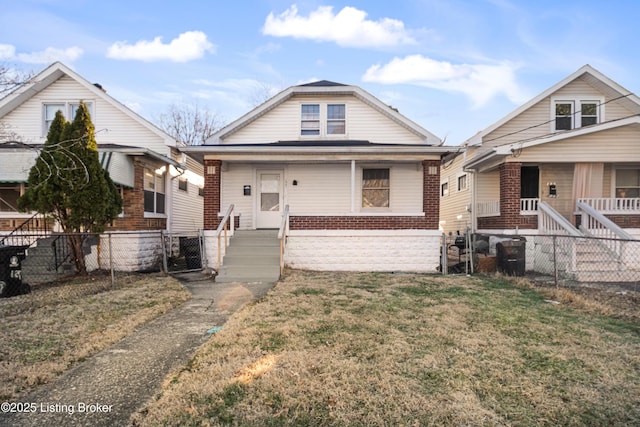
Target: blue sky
{"type": "Point", "coordinates": [452, 66]}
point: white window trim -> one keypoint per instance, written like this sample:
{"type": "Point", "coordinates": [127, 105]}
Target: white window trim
{"type": "Point", "coordinates": [577, 101]}
{"type": "Point", "coordinates": [458, 176]}
{"type": "Point", "coordinates": [442, 182]}
{"type": "Point", "coordinates": [155, 214]}
{"type": "Point", "coordinates": [614, 177]}
{"type": "Point", "coordinates": [324, 107]}
{"type": "Point", "coordinates": [376, 209]}
{"type": "Point", "coordinates": [66, 111]}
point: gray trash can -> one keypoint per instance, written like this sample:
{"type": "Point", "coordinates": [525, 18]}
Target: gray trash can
{"type": "Point", "coordinates": [510, 256]}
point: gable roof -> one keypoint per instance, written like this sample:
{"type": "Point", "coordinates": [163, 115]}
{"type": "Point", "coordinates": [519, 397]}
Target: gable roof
{"type": "Point", "coordinates": [54, 72]}
{"type": "Point", "coordinates": [594, 77]}
{"type": "Point", "coordinates": [323, 87]}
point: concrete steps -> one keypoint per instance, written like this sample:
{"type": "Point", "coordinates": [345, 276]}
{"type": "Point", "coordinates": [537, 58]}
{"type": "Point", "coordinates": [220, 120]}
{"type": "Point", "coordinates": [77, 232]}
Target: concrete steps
{"type": "Point", "coordinates": [252, 256]}
{"type": "Point", "coordinates": [39, 264]}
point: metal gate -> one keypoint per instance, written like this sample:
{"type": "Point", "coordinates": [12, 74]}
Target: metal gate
{"type": "Point", "coordinates": [183, 252]}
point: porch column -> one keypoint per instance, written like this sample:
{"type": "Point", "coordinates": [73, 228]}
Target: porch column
{"type": "Point", "coordinates": [211, 193]}
{"type": "Point", "coordinates": [510, 194]}
{"type": "Point", "coordinates": [431, 193]}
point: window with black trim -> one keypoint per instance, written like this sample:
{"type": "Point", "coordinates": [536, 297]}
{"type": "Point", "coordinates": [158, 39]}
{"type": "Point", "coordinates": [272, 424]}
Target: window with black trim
{"type": "Point", "coordinates": [375, 188]}
{"type": "Point", "coordinates": [444, 188]}
{"type": "Point", "coordinates": [462, 182]}
{"type": "Point", "coordinates": [627, 183]}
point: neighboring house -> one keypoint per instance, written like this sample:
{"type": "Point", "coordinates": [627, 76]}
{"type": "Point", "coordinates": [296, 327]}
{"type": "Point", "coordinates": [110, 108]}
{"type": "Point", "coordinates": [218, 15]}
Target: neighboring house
{"type": "Point", "coordinates": [360, 180]}
{"type": "Point", "coordinates": [161, 187]}
{"type": "Point", "coordinates": [566, 162]}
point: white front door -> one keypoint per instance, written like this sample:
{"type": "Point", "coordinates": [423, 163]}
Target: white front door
{"type": "Point", "coordinates": [269, 198]}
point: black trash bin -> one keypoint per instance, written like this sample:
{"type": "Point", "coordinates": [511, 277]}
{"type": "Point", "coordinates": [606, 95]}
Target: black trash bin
{"type": "Point", "coordinates": [11, 271]}
{"type": "Point", "coordinates": [510, 256]}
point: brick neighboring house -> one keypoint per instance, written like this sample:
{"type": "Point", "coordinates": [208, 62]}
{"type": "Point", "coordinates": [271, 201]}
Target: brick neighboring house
{"type": "Point", "coordinates": [161, 187]}
{"type": "Point", "coordinates": [360, 180]}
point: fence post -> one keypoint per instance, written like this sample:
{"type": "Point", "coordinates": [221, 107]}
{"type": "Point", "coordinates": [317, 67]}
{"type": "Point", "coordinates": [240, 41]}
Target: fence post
{"type": "Point", "coordinates": [444, 259]}
{"type": "Point", "coordinates": [113, 276]}
{"type": "Point", "coordinates": [165, 267]}
{"type": "Point", "coordinates": [555, 263]}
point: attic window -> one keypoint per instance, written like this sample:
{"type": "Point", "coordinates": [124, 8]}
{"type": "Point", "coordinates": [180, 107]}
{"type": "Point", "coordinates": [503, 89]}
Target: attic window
{"type": "Point", "coordinates": [68, 109]}
{"type": "Point", "coordinates": [576, 112]}
{"type": "Point", "coordinates": [310, 124]}
{"type": "Point", "coordinates": [336, 119]}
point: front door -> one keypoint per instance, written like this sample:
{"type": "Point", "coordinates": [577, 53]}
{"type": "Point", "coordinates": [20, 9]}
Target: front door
{"type": "Point", "coordinates": [270, 198]}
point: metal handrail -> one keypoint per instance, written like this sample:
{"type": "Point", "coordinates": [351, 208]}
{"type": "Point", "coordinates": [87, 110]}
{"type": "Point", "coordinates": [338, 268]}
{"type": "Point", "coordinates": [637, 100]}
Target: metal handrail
{"type": "Point", "coordinates": [222, 230]}
{"type": "Point", "coordinates": [29, 227]}
{"type": "Point", "coordinates": [282, 235]}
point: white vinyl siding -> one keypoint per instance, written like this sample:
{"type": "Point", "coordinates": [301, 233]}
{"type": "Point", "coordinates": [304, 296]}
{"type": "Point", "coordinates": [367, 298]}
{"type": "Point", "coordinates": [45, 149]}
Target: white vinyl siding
{"type": "Point", "coordinates": [363, 122]}
{"type": "Point", "coordinates": [562, 175]}
{"type": "Point", "coordinates": [112, 125]}
{"type": "Point", "coordinates": [186, 206]}
{"type": "Point", "coordinates": [233, 179]}
{"type": "Point", "coordinates": [453, 207]}
{"type": "Point", "coordinates": [321, 189]}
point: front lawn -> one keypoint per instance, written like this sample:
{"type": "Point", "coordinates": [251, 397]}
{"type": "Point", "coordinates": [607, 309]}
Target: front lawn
{"type": "Point", "coordinates": [338, 349]}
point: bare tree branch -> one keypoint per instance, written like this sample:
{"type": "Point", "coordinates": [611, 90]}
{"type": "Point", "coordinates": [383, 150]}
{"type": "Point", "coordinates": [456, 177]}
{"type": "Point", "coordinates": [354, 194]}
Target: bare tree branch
{"type": "Point", "coordinates": [190, 124]}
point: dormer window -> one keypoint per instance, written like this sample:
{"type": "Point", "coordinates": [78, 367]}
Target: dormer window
{"type": "Point", "coordinates": [576, 113]}
{"type": "Point", "coordinates": [336, 119]}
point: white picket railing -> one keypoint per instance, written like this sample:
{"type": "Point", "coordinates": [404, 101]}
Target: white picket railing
{"type": "Point", "coordinates": [490, 208]}
{"type": "Point", "coordinates": [529, 206]}
{"type": "Point", "coordinates": [611, 205]}
{"type": "Point", "coordinates": [595, 224]}
{"type": "Point", "coordinates": [551, 222]}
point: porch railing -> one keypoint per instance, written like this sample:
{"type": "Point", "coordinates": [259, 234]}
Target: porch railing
{"type": "Point", "coordinates": [619, 205]}
{"type": "Point", "coordinates": [595, 224]}
{"type": "Point", "coordinates": [490, 208]}
{"type": "Point", "coordinates": [27, 233]}
{"type": "Point", "coordinates": [282, 235]}
{"type": "Point", "coordinates": [551, 222]}
{"type": "Point", "coordinates": [228, 222]}
{"type": "Point", "coordinates": [529, 206]}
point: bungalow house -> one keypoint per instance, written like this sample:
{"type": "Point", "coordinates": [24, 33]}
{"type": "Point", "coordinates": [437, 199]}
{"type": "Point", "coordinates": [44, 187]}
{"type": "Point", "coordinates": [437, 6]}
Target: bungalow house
{"type": "Point", "coordinates": [161, 187]}
{"type": "Point", "coordinates": [350, 182]}
{"type": "Point", "coordinates": [566, 162]}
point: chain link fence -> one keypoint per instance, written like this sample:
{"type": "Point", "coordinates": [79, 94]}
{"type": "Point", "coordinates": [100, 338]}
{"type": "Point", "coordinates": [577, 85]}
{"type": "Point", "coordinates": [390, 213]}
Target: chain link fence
{"type": "Point", "coordinates": [558, 259]}
{"type": "Point", "coordinates": [28, 261]}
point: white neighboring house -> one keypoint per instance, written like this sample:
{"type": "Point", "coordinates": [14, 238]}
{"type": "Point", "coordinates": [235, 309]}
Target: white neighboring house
{"type": "Point", "coordinates": [360, 180]}
{"type": "Point", "coordinates": [161, 187]}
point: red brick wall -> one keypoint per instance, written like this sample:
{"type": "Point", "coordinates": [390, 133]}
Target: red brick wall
{"type": "Point", "coordinates": [626, 221]}
{"type": "Point", "coordinates": [358, 223]}
{"type": "Point", "coordinates": [133, 206]}
{"type": "Point", "coordinates": [211, 194]}
{"type": "Point", "coordinates": [510, 217]}
{"type": "Point", "coordinates": [431, 193]}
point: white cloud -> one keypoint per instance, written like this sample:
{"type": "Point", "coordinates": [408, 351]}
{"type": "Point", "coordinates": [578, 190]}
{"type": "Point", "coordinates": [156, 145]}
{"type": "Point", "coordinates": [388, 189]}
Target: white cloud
{"type": "Point", "coordinates": [186, 47]}
{"type": "Point", "coordinates": [479, 82]}
{"type": "Point", "coordinates": [50, 54]}
{"type": "Point", "coordinates": [7, 52]}
{"type": "Point", "coordinates": [349, 27]}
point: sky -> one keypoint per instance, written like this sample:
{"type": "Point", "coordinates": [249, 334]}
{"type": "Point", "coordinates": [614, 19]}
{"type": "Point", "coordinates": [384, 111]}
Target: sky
{"type": "Point", "coordinates": [452, 66]}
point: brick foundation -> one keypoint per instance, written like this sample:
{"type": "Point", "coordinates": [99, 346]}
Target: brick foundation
{"type": "Point", "coordinates": [625, 221]}
{"type": "Point", "coordinates": [359, 223]}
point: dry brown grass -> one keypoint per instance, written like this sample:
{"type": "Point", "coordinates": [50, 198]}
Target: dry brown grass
{"type": "Point", "coordinates": [337, 349]}
{"type": "Point", "coordinates": [46, 332]}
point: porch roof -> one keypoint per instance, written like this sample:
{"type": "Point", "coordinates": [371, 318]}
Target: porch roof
{"type": "Point", "coordinates": [319, 147]}
{"type": "Point", "coordinates": [495, 155]}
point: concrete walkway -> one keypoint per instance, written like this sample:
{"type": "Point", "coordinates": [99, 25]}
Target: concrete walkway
{"type": "Point", "coordinates": [113, 384]}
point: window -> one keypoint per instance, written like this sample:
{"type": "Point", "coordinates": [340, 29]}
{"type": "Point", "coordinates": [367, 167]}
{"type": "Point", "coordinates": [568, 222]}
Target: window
{"type": "Point", "coordinates": [375, 188]}
{"type": "Point", "coordinates": [201, 191]}
{"type": "Point", "coordinates": [68, 110]}
{"type": "Point", "coordinates": [50, 111]}
{"type": "Point", "coordinates": [336, 119]}
{"type": "Point", "coordinates": [627, 183]}
{"type": "Point", "coordinates": [564, 115]}
{"type": "Point", "coordinates": [9, 194]}
{"type": "Point", "coordinates": [576, 113]}
{"type": "Point", "coordinates": [310, 124]}
{"type": "Point", "coordinates": [154, 191]}
{"type": "Point", "coordinates": [462, 182]}
{"type": "Point", "coordinates": [444, 188]}
{"type": "Point", "coordinates": [182, 184]}
{"type": "Point", "coordinates": [589, 113]}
